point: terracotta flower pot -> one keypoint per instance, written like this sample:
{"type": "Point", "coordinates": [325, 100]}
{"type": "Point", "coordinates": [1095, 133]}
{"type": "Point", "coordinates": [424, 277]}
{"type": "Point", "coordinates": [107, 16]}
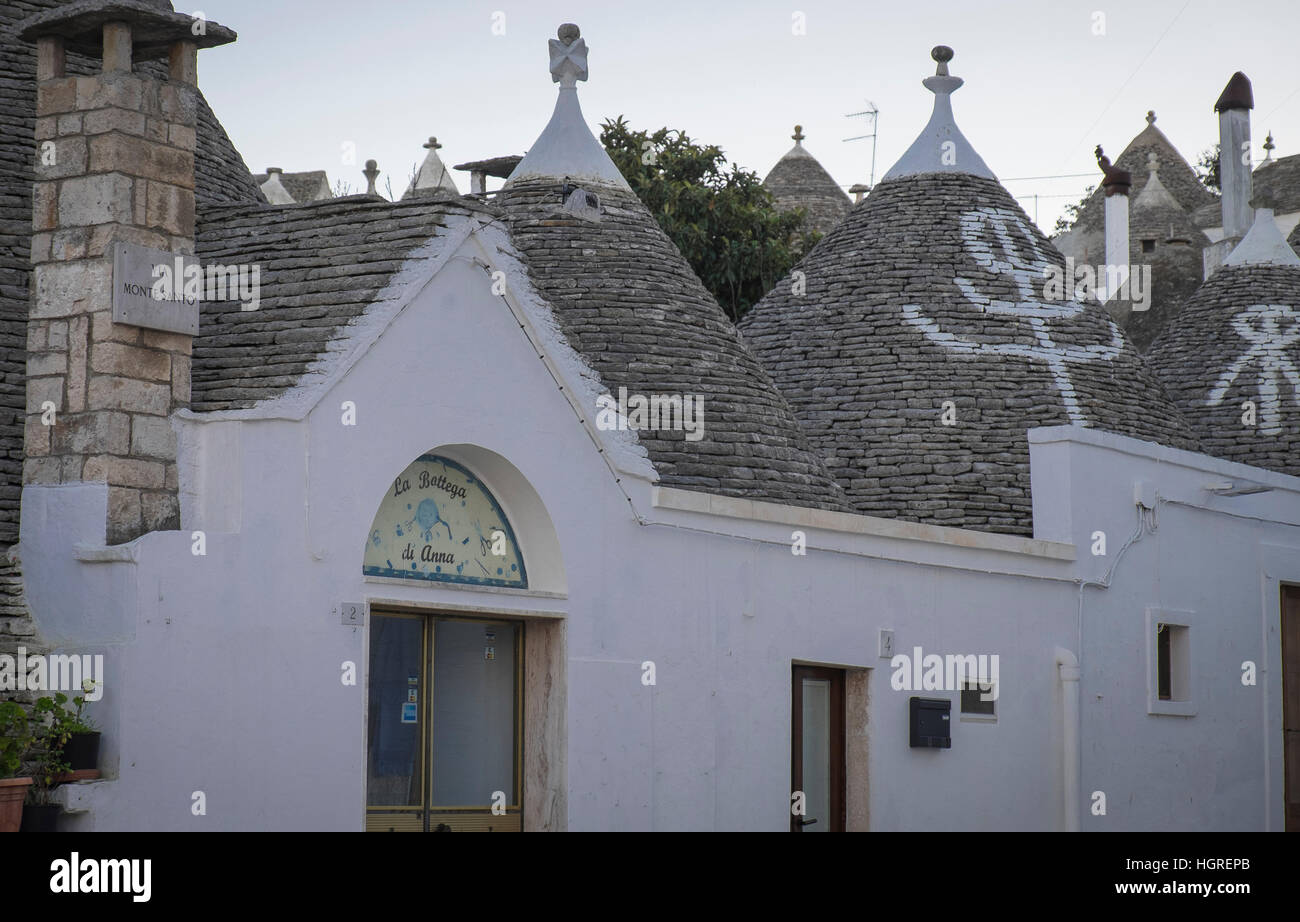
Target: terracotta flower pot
{"type": "Point", "coordinates": [12, 793]}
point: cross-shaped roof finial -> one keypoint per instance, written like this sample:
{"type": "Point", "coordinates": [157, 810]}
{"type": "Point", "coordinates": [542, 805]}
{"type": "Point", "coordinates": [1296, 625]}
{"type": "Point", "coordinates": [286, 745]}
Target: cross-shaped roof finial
{"type": "Point", "coordinates": [798, 134]}
{"type": "Point", "coordinates": [1268, 147]}
{"type": "Point", "coordinates": [568, 56]}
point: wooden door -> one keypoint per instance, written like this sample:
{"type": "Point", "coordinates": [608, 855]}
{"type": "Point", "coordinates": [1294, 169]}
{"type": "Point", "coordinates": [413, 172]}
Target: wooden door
{"type": "Point", "coordinates": [817, 750]}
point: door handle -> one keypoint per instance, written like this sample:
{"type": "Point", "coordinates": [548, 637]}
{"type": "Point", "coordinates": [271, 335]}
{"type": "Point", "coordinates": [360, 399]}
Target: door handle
{"type": "Point", "coordinates": [806, 822]}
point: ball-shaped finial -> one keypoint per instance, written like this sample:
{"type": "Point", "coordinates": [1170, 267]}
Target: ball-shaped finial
{"type": "Point", "coordinates": [372, 165]}
{"type": "Point", "coordinates": [568, 33]}
{"type": "Point", "coordinates": [942, 54]}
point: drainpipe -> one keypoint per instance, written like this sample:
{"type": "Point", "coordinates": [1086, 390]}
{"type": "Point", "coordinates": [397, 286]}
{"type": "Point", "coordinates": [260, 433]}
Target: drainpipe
{"type": "Point", "coordinates": [1068, 666]}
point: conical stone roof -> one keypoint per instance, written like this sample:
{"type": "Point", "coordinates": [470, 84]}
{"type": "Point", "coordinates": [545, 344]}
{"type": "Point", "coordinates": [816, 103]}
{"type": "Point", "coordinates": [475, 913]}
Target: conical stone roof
{"type": "Point", "coordinates": [929, 298]}
{"type": "Point", "coordinates": [1163, 236]}
{"type": "Point", "coordinates": [1231, 359]}
{"type": "Point", "coordinates": [1176, 175]}
{"type": "Point", "coordinates": [799, 181]}
{"type": "Point", "coordinates": [628, 302]}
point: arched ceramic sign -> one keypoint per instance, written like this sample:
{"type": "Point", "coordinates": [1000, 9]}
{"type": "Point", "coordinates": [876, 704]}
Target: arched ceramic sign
{"type": "Point", "coordinates": [438, 522]}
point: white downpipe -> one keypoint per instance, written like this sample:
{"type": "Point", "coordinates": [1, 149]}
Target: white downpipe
{"type": "Point", "coordinates": [1068, 666]}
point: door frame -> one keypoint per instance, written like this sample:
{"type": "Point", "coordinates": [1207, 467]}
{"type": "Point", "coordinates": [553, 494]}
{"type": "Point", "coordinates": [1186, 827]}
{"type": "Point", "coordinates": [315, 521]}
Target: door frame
{"type": "Point", "coordinates": [1288, 599]}
{"type": "Point", "coordinates": [839, 732]}
{"type": "Point", "coordinates": [429, 812]}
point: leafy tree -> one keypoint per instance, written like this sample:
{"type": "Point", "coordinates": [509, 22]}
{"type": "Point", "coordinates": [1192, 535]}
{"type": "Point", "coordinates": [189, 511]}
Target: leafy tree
{"type": "Point", "coordinates": [719, 215]}
{"type": "Point", "coordinates": [1207, 168]}
{"type": "Point", "coordinates": [1071, 213]}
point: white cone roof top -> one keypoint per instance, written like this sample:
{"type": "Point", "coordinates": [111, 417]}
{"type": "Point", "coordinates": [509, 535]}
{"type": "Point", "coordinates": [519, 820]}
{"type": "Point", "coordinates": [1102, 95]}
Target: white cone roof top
{"type": "Point", "coordinates": [1263, 245]}
{"type": "Point", "coordinates": [566, 148]}
{"type": "Point", "coordinates": [1154, 194]}
{"type": "Point", "coordinates": [941, 147]}
{"type": "Point", "coordinates": [432, 178]}
{"type": "Point", "coordinates": [274, 190]}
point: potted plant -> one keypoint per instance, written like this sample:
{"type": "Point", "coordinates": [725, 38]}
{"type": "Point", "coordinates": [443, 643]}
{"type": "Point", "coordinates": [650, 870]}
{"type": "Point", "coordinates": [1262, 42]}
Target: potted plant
{"type": "Point", "coordinates": [81, 749]}
{"type": "Point", "coordinates": [15, 741]}
{"type": "Point", "coordinates": [41, 813]}
{"type": "Point", "coordinates": [47, 763]}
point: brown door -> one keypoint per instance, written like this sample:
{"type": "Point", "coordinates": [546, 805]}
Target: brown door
{"type": "Point", "coordinates": [1291, 703]}
{"type": "Point", "coordinates": [817, 750]}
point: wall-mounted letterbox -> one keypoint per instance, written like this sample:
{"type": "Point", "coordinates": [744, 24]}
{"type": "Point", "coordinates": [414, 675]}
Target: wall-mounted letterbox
{"type": "Point", "coordinates": [931, 722]}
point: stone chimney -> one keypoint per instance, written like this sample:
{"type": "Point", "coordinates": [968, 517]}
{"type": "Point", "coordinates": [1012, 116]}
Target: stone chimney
{"type": "Point", "coordinates": [1116, 183]}
{"type": "Point", "coordinates": [114, 165]}
{"type": "Point", "coordinates": [1234, 105]}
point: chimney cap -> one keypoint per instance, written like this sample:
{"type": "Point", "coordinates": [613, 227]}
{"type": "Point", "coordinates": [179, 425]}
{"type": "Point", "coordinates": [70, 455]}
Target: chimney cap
{"type": "Point", "coordinates": [155, 26]}
{"type": "Point", "coordinates": [498, 167]}
{"type": "Point", "coordinates": [1114, 180]}
{"type": "Point", "coordinates": [1236, 95]}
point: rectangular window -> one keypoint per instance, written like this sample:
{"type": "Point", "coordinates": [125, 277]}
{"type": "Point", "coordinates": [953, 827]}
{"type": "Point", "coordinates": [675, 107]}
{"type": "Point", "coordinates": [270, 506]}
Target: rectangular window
{"type": "Point", "coordinates": [973, 695]}
{"type": "Point", "coordinates": [1148, 246]}
{"type": "Point", "coordinates": [1172, 667]}
{"type": "Point", "coordinates": [1169, 662]}
{"type": "Point", "coordinates": [1162, 663]}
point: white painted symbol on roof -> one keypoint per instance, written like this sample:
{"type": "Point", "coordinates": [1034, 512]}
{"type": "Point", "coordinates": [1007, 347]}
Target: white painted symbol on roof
{"type": "Point", "coordinates": [1024, 260]}
{"type": "Point", "coordinates": [1262, 325]}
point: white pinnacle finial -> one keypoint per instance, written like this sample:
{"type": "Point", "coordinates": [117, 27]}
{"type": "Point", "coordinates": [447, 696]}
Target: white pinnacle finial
{"type": "Point", "coordinates": [1153, 162]}
{"type": "Point", "coordinates": [941, 147]}
{"type": "Point", "coordinates": [568, 56]}
{"type": "Point", "coordinates": [566, 148]}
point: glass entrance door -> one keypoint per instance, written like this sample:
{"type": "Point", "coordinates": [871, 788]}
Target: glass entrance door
{"type": "Point", "coordinates": [817, 750]}
{"type": "Point", "coordinates": [444, 740]}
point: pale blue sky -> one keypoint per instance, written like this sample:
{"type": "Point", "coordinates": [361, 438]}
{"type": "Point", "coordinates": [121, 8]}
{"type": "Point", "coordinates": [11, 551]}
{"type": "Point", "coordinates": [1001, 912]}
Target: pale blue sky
{"type": "Point", "coordinates": [1041, 89]}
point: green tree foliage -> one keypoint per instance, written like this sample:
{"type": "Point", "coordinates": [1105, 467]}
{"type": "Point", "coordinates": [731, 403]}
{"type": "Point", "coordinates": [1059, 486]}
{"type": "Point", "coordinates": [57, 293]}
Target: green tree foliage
{"type": "Point", "coordinates": [719, 215]}
{"type": "Point", "coordinates": [1207, 168]}
{"type": "Point", "coordinates": [1070, 213]}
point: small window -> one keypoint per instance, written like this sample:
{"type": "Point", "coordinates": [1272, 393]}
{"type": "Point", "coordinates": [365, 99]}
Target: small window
{"type": "Point", "coordinates": [1169, 662]}
{"type": "Point", "coordinates": [1148, 246]}
{"type": "Point", "coordinates": [1164, 691]}
{"type": "Point", "coordinates": [979, 699]}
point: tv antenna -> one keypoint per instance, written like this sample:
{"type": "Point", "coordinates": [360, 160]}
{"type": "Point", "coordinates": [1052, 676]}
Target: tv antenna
{"type": "Point", "coordinates": [872, 114]}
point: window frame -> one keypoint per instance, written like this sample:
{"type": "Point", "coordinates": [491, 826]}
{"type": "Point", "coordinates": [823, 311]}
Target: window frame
{"type": "Point", "coordinates": [1182, 662]}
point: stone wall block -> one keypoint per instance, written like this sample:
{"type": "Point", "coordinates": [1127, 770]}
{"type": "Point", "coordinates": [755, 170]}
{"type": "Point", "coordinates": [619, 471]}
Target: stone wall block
{"type": "Point", "coordinates": [170, 208]}
{"type": "Point", "coordinates": [96, 199]}
{"type": "Point", "coordinates": [56, 96]}
{"type": "Point", "coordinates": [60, 158]}
{"type": "Point", "coordinates": [67, 289]}
{"type": "Point", "coordinates": [93, 433]}
{"type": "Point", "coordinates": [107, 392]}
{"type": "Point", "coordinates": [112, 358]}
{"type": "Point", "coordinates": [152, 437]}
{"type": "Point", "coordinates": [114, 119]}
{"type": "Point", "coordinates": [124, 472]}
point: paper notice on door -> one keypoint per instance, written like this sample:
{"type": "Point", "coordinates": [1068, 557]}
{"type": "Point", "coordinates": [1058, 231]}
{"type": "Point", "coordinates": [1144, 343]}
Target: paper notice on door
{"type": "Point", "coordinates": [409, 711]}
